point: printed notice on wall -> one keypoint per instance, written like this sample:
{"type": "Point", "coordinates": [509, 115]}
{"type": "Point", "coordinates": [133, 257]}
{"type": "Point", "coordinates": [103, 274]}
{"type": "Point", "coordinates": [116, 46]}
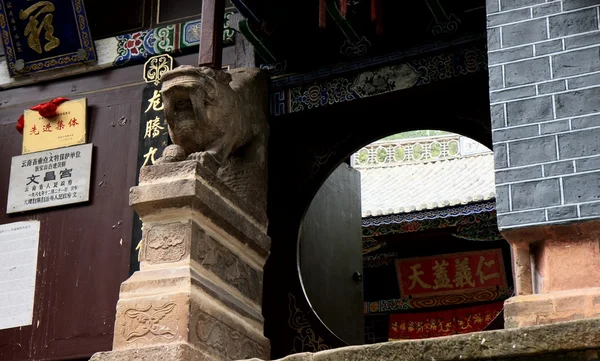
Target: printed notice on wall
{"type": "Point", "coordinates": [18, 265]}
{"type": "Point", "coordinates": [48, 179]}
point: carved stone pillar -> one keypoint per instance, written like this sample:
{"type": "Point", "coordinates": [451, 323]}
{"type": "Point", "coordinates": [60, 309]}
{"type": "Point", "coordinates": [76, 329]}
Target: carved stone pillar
{"type": "Point", "coordinates": [198, 293]}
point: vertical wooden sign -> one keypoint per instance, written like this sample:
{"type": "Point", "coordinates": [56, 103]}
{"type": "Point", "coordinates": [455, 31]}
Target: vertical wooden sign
{"type": "Point", "coordinates": [153, 134]}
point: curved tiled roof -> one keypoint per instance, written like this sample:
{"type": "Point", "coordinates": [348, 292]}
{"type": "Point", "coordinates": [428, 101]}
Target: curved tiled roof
{"type": "Point", "coordinates": [424, 186]}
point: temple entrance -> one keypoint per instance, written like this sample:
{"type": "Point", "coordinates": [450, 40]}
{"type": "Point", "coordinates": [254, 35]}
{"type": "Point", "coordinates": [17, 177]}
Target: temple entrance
{"type": "Point", "coordinates": [428, 261]}
{"type": "Point", "coordinates": [323, 138]}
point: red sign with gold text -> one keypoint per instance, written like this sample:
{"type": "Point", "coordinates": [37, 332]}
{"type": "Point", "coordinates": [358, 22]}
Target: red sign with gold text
{"type": "Point", "coordinates": [451, 273]}
{"type": "Point", "coordinates": [442, 323]}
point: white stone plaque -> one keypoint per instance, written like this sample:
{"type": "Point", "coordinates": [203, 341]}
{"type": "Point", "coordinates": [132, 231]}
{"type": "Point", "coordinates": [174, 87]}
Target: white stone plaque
{"type": "Point", "coordinates": [18, 267]}
{"type": "Point", "coordinates": [51, 178]}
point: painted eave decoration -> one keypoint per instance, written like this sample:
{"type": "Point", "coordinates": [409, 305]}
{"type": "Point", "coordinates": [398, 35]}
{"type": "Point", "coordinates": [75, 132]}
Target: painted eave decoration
{"type": "Point", "coordinates": [44, 35]}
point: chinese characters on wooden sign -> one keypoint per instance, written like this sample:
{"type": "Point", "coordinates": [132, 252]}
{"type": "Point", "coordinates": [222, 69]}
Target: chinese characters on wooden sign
{"type": "Point", "coordinates": [153, 134]}
{"type": "Point", "coordinates": [44, 35]}
{"type": "Point", "coordinates": [406, 326]}
{"type": "Point", "coordinates": [49, 179]}
{"type": "Point", "coordinates": [65, 129]}
{"type": "Point", "coordinates": [451, 273]}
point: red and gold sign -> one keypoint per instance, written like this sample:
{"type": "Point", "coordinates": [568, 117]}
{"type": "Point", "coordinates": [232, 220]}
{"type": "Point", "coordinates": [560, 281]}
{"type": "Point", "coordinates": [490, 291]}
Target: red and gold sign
{"type": "Point", "coordinates": [64, 125]}
{"type": "Point", "coordinates": [442, 323]}
{"type": "Point", "coordinates": [451, 273]}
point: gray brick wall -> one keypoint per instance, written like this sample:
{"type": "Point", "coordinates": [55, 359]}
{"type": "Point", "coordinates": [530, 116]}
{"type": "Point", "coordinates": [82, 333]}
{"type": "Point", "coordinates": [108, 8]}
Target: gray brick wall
{"type": "Point", "coordinates": [544, 68]}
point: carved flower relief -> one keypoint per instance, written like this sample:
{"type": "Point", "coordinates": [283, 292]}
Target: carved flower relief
{"type": "Point", "coordinates": [165, 243]}
{"type": "Point", "coordinates": [150, 322]}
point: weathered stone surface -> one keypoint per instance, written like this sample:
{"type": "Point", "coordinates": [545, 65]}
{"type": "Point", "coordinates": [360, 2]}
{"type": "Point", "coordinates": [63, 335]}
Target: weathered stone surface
{"type": "Point", "coordinates": [174, 352]}
{"type": "Point", "coordinates": [190, 316]}
{"type": "Point", "coordinates": [175, 280]}
{"type": "Point", "coordinates": [168, 242]}
{"type": "Point", "coordinates": [554, 307]}
{"type": "Point", "coordinates": [151, 321]}
{"type": "Point", "coordinates": [167, 172]}
{"type": "Point", "coordinates": [578, 340]}
{"type": "Point", "coordinates": [185, 185]}
{"type": "Point", "coordinates": [226, 265]}
{"type": "Point", "coordinates": [217, 331]}
{"type": "Point", "coordinates": [221, 115]}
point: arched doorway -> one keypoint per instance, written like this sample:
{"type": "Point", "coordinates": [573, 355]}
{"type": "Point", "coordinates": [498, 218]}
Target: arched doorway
{"type": "Point", "coordinates": [416, 217]}
{"type": "Point", "coordinates": [306, 147]}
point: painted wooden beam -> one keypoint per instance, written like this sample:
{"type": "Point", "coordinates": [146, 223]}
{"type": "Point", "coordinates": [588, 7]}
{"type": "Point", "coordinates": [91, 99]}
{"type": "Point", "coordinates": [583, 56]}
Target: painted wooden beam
{"type": "Point", "coordinates": [127, 49]}
{"type": "Point", "coordinates": [211, 34]}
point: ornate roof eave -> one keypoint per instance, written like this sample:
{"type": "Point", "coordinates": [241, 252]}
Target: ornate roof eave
{"type": "Point", "coordinates": [449, 212]}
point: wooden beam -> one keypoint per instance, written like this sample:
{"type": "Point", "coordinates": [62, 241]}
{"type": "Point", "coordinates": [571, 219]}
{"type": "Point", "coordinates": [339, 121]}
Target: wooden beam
{"type": "Point", "coordinates": [211, 34]}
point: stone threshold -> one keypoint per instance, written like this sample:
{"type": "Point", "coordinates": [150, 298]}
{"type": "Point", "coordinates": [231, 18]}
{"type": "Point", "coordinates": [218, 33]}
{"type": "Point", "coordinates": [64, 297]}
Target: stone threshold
{"type": "Point", "coordinates": [572, 341]}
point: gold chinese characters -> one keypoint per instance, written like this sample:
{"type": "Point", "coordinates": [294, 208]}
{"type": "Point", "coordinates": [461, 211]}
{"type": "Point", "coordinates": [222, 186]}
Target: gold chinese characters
{"type": "Point", "coordinates": [34, 28]}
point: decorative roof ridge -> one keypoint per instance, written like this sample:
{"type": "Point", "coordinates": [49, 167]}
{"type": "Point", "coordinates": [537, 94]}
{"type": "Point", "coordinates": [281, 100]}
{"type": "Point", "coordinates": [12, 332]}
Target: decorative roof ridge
{"type": "Point", "coordinates": [447, 212]}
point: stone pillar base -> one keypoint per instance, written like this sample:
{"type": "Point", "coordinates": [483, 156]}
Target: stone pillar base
{"type": "Point", "coordinates": [198, 293]}
{"type": "Point", "coordinates": [559, 306]}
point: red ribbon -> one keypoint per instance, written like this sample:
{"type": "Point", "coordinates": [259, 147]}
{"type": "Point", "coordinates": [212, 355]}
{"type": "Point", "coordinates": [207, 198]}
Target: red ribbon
{"type": "Point", "coordinates": [46, 110]}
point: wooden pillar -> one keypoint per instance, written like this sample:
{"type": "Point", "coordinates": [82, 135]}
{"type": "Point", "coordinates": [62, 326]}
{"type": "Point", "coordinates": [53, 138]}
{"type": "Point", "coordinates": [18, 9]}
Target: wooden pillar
{"type": "Point", "coordinates": [211, 34]}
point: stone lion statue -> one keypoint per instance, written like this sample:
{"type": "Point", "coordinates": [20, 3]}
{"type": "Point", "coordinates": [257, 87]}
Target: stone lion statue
{"type": "Point", "coordinates": [220, 119]}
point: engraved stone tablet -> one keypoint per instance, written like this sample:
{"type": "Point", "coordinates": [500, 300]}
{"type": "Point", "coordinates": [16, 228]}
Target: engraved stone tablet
{"type": "Point", "coordinates": [49, 179]}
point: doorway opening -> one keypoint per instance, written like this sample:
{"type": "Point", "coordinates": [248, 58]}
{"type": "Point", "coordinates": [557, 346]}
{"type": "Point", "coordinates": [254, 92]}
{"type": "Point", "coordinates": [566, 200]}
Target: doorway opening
{"type": "Point", "coordinates": [408, 224]}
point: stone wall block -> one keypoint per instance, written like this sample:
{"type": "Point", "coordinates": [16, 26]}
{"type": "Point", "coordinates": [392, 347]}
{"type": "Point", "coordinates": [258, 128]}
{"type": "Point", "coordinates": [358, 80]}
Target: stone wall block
{"type": "Point", "coordinates": [512, 54]}
{"type": "Point", "coordinates": [508, 16]}
{"type": "Point", "coordinates": [578, 41]}
{"type": "Point", "coordinates": [528, 71]}
{"type": "Point", "coordinates": [576, 62]}
{"type": "Point", "coordinates": [558, 168]}
{"type": "Point", "coordinates": [560, 126]}
{"type": "Point", "coordinates": [548, 47]}
{"type": "Point", "coordinates": [546, 9]}
{"type": "Point", "coordinates": [573, 22]}
{"type": "Point", "coordinates": [524, 32]}
{"type": "Point", "coordinates": [514, 93]}
{"type": "Point", "coordinates": [503, 135]}
{"type": "Point", "coordinates": [531, 151]}
{"type": "Point", "coordinates": [528, 111]}
{"type": "Point", "coordinates": [558, 213]}
{"type": "Point", "coordinates": [515, 4]}
{"type": "Point", "coordinates": [552, 87]}
{"type": "Point", "coordinates": [518, 174]}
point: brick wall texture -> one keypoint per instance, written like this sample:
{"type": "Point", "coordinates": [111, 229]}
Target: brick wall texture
{"type": "Point", "coordinates": [544, 69]}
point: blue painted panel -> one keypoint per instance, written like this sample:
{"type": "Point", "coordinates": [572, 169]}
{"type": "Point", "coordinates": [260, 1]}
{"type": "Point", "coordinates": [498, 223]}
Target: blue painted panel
{"type": "Point", "coordinates": [43, 35]}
